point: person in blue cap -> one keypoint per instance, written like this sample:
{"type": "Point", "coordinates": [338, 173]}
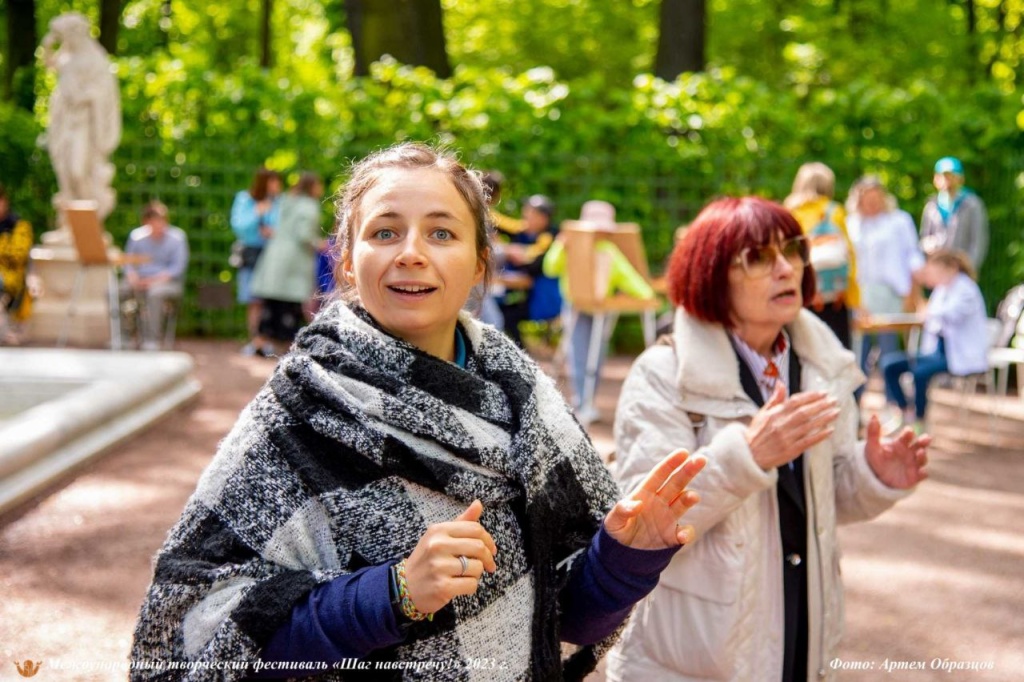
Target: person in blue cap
{"type": "Point", "coordinates": [955, 218]}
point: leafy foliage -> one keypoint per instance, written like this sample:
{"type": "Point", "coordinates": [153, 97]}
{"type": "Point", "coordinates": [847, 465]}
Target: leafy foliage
{"type": "Point", "coordinates": [24, 167]}
{"type": "Point", "coordinates": [548, 92]}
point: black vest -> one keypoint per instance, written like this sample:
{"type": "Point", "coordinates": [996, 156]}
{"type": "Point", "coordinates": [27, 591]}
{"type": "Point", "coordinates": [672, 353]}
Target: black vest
{"type": "Point", "coordinates": [793, 531]}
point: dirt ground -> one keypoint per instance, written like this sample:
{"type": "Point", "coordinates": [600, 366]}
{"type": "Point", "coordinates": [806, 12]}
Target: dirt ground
{"type": "Point", "coordinates": [936, 582]}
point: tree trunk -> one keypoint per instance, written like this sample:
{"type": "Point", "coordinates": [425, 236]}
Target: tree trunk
{"type": "Point", "coordinates": [110, 23]}
{"type": "Point", "coordinates": [165, 23]}
{"type": "Point", "coordinates": [20, 59]}
{"type": "Point", "coordinates": [1001, 17]}
{"type": "Point", "coordinates": [1019, 71]}
{"type": "Point", "coordinates": [411, 31]}
{"type": "Point", "coordinates": [972, 40]}
{"type": "Point", "coordinates": [861, 21]}
{"type": "Point", "coordinates": [266, 59]}
{"type": "Point", "coordinates": [681, 38]}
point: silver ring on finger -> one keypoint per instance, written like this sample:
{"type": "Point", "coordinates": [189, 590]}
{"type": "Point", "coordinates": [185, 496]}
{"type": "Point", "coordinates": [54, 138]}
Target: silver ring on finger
{"type": "Point", "coordinates": [465, 565]}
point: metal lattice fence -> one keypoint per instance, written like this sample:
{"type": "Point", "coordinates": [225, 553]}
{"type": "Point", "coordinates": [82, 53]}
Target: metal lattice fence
{"type": "Point", "coordinates": [658, 195]}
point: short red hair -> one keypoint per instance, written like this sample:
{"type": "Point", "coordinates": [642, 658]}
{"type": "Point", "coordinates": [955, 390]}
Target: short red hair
{"type": "Point", "coordinates": [698, 270]}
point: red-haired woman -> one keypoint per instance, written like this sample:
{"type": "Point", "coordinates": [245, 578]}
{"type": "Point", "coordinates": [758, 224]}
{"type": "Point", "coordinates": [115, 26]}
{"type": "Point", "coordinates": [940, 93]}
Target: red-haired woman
{"type": "Point", "coordinates": [764, 391]}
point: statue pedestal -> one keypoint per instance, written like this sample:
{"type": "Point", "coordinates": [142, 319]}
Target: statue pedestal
{"type": "Point", "coordinates": [57, 266]}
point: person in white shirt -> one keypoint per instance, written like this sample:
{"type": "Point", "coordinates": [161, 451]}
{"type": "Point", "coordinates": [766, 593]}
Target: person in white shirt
{"type": "Point", "coordinates": [887, 256]}
{"type": "Point", "coordinates": [955, 338]}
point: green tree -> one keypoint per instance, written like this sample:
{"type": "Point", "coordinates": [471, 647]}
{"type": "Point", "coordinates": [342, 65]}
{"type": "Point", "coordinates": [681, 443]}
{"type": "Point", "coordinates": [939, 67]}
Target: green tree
{"type": "Point", "coordinates": [560, 95]}
{"type": "Point", "coordinates": [578, 38]}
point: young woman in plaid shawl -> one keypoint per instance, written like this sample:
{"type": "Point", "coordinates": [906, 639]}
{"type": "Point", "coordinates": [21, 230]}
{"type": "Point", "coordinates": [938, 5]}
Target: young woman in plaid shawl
{"type": "Point", "coordinates": [409, 496]}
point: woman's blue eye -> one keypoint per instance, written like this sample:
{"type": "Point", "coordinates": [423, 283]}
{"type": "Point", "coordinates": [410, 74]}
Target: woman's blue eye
{"type": "Point", "coordinates": [442, 234]}
{"type": "Point", "coordinates": [385, 233]}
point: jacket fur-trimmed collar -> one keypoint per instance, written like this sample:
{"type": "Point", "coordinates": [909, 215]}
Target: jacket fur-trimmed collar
{"type": "Point", "coordinates": [709, 369]}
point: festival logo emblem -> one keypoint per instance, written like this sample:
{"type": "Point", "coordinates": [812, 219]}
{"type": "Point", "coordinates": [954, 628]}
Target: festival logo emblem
{"type": "Point", "coordinates": [28, 668]}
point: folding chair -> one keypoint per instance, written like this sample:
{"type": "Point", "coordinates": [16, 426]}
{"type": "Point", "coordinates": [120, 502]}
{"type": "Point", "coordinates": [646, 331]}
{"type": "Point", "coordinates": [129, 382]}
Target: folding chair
{"type": "Point", "coordinates": [967, 384]}
{"type": "Point", "coordinates": [1009, 348]}
{"type": "Point", "coordinates": [135, 310]}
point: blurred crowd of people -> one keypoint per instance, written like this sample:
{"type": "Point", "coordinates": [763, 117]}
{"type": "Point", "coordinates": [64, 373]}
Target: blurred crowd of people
{"type": "Point", "coordinates": [280, 241]}
{"type": "Point", "coordinates": [871, 263]}
{"type": "Point", "coordinates": [869, 259]}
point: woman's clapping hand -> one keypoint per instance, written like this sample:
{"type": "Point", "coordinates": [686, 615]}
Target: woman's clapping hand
{"type": "Point", "coordinates": [898, 462]}
{"type": "Point", "coordinates": [649, 517]}
{"type": "Point", "coordinates": [786, 427]}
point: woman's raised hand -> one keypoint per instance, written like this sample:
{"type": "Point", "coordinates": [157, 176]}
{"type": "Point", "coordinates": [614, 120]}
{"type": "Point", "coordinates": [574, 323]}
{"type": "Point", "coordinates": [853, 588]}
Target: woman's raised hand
{"type": "Point", "coordinates": [435, 572]}
{"type": "Point", "coordinates": [786, 427]}
{"type": "Point", "coordinates": [649, 517]}
{"type": "Point", "coordinates": [898, 462]}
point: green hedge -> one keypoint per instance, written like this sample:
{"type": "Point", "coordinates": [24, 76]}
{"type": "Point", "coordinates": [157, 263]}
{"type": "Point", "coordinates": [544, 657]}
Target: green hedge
{"type": "Point", "coordinates": [659, 151]}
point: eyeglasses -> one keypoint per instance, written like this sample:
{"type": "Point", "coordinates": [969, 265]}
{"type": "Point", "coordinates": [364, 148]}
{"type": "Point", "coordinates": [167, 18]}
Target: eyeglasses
{"type": "Point", "coordinates": [759, 261]}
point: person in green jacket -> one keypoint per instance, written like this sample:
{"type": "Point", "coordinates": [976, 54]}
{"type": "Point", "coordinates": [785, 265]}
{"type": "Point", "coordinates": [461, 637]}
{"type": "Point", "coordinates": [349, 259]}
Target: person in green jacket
{"type": "Point", "coordinates": [284, 277]}
{"type": "Point", "coordinates": [622, 277]}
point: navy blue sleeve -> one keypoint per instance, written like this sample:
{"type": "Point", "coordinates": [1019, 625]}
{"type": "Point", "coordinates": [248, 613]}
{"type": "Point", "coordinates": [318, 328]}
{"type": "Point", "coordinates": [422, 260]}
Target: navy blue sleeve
{"type": "Point", "coordinates": [604, 584]}
{"type": "Point", "coordinates": [346, 618]}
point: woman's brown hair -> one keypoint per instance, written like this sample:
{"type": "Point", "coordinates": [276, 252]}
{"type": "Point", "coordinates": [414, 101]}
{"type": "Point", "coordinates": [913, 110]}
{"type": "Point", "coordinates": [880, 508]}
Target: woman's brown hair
{"type": "Point", "coordinates": [954, 259]}
{"type": "Point", "coordinates": [258, 188]}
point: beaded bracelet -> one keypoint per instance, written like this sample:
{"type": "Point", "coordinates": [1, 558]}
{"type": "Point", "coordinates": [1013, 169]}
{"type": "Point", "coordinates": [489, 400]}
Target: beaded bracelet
{"type": "Point", "coordinates": [409, 609]}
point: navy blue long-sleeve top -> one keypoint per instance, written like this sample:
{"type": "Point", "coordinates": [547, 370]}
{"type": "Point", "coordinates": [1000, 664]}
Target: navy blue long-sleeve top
{"type": "Point", "coordinates": [351, 616]}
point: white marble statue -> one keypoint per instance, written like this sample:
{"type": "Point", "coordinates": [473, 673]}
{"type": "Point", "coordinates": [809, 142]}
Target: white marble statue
{"type": "Point", "coordinates": [85, 113]}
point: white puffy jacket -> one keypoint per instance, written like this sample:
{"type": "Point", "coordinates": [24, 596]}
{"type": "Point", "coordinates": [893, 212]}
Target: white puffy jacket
{"type": "Point", "coordinates": [718, 613]}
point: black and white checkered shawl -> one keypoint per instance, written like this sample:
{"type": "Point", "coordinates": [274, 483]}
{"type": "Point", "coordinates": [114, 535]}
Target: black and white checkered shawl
{"type": "Point", "coordinates": [356, 444]}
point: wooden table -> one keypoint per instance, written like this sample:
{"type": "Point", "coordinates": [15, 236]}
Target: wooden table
{"type": "Point", "coordinates": [898, 322]}
{"type": "Point", "coordinates": [909, 324]}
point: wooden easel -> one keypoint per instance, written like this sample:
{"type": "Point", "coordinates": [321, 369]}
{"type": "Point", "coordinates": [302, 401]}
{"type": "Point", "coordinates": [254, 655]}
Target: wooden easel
{"type": "Point", "coordinates": [82, 218]}
{"type": "Point", "coordinates": [588, 276]}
